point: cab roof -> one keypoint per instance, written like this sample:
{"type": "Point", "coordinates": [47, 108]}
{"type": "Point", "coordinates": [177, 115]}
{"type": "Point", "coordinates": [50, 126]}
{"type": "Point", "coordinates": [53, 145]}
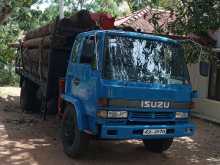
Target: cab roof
{"type": "Point", "coordinates": [153, 37]}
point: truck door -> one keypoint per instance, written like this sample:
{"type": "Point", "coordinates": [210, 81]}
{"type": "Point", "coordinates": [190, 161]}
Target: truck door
{"type": "Point", "coordinates": [84, 81]}
{"type": "Point", "coordinates": [72, 67]}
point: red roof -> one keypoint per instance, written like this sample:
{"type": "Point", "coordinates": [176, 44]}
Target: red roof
{"type": "Point", "coordinates": [142, 20]}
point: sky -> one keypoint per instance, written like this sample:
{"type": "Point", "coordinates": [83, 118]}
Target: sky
{"type": "Point", "coordinates": [42, 6]}
{"type": "Point", "coordinates": [46, 3]}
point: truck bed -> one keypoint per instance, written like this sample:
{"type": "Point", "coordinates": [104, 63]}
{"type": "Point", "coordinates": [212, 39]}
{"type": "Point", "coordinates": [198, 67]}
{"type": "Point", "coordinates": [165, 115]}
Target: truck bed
{"type": "Point", "coordinates": [44, 53]}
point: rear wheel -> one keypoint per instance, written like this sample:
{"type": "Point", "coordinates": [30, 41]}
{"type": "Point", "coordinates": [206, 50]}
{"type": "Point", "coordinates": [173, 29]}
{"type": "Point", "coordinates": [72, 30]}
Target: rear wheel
{"type": "Point", "coordinates": [28, 98]}
{"type": "Point", "coordinates": [158, 145]}
{"type": "Point", "coordinates": [74, 142]}
{"type": "Point", "coordinates": [25, 98]}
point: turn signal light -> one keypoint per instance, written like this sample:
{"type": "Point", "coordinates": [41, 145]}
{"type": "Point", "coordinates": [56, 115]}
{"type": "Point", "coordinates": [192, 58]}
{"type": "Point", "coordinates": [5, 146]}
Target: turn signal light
{"type": "Point", "coordinates": [103, 102]}
{"type": "Point", "coordinates": [192, 105]}
{"type": "Point", "coordinates": [102, 114]}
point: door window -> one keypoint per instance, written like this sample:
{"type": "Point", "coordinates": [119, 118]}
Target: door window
{"type": "Point", "coordinates": [88, 55]}
{"type": "Point", "coordinates": [75, 50]}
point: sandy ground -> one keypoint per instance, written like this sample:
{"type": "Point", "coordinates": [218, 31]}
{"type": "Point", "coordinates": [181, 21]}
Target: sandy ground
{"type": "Point", "coordinates": [27, 140]}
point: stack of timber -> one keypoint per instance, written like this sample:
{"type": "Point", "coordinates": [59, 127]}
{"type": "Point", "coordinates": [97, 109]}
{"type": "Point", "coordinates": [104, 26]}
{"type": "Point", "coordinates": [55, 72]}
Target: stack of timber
{"type": "Point", "coordinates": [46, 50]}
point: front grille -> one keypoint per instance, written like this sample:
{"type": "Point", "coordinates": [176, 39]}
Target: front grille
{"type": "Point", "coordinates": [123, 103]}
{"type": "Point", "coordinates": [151, 116]}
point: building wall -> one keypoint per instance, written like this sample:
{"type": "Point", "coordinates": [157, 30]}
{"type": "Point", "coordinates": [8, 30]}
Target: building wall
{"type": "Point", "coordinates": [199, 83]}
{"type": "Point", "coordinates": [205, 108]}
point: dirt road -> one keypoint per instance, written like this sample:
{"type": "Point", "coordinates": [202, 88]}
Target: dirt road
{"type": "Point", "coordinates": [27, 140]}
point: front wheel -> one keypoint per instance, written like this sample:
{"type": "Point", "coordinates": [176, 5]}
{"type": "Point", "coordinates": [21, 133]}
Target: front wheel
{"type": "Point", "coordinates": [158, 145]}
{"type": "Point", "coordinates": [74, 141]}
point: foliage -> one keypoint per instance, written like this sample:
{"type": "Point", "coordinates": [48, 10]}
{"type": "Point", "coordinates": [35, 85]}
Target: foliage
{"type": "Point", "coordinates": [8, 34]}
{"type": "Point", "coordinates": [168, 4]}
{"type": "Point", "coordinates": [8, 75]}
{"type": "Point", "coordinates": [18, 3]}
{"type": "Point", "coordinates": [21, 19]}
{"type": "Point", "coordinates": [135, 5]}
{"type": "Point", "coordinates": [196, 16]}
{"type": "Point", "coordinates": [195, 52]}
{"type": "Point", "coordinates": [8, 78]}
{"type": "Point", "coordinates": [7, 7]}
{"type": "Point", "coordinates": [108, 6]}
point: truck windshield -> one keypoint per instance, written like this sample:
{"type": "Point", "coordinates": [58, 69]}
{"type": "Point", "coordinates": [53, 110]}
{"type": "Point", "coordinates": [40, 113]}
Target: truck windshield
{"type": "Point", "coordinates": [142, 60]}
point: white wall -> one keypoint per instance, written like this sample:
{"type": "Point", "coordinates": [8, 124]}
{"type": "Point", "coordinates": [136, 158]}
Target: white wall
{"type": "Point", "coordinates": [205, 108]}
{"type": "Point", "coordinates": [199, 83]}
{"type": "Point", "coordinates": [216, 36]}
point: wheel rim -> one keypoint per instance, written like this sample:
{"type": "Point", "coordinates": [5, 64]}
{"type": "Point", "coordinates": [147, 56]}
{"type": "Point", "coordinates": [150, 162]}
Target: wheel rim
{"type": "Point", "coordinates": [69, 134]}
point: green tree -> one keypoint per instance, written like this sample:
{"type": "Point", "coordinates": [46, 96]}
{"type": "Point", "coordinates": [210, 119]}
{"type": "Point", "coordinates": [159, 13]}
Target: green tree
{"type": "Point", "coordinates": [7, 7]}
{"type": "Point", "coordinates": [135, 5]}
{"type": "Point", "coordinates": [108, 6]}
{"type": "Point", "coordinates": [168, 4]}
{"type": "Point", "coordinates": [196, 16]}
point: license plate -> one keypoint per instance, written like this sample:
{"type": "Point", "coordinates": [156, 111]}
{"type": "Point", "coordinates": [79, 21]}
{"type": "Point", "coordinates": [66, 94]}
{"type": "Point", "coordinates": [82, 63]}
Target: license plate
{"type": "Point", "coordinates": [148, 132]}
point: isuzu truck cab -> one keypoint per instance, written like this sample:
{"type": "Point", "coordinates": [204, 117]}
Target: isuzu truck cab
{"type": "Point", "coordinates": [125, 85]}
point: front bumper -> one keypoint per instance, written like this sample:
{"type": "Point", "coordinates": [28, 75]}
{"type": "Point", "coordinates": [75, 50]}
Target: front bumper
{"type": "Point", "coordinates": [136, 131]}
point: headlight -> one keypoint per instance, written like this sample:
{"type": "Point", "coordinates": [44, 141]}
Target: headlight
{"type": "Point", "coordinates": [181, 115]}
{"type": "Point", "coordinates": [117, 114]}
{"type": "Point", "coordinates": [112, 114]}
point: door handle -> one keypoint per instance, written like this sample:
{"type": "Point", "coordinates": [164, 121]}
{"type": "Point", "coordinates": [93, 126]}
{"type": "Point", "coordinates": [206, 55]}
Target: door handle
{"type": "Point", "coordinates": [76, 81]}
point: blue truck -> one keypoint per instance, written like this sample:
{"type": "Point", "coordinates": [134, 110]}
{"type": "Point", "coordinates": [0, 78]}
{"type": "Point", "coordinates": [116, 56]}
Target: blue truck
{"type": "Point", "coordinates": [117, 85]}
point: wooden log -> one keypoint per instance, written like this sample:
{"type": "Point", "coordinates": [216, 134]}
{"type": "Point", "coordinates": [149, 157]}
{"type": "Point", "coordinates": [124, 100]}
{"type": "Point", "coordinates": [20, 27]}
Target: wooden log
{"type": "Point", "coordinates": [49, 29]}
{"type": "Point", "coordinates": [41, 32]}
{"type": "Point", "coordinates": [46, 42]}
{"type": "Point", "coordinates": [27, 68]}
{"type": "Point", "coordinates": [47, 49]}
{"type": "Point", "coordinates": [36, 55]}
{"type": "Point", "coordinates": [80, 20]}
{"type": "Point", "coordinates": [70, 31]}
{"type": "Point", "coordinates": [45, 72]}
{"type": "Point", "coordinates": [38, 71]}
{"type": "Point", "coordinates": [39, 67]}
{"type": "Point", "coordinates": [43, 42]}
{"type": "Point", "coordinates": [83, 19]}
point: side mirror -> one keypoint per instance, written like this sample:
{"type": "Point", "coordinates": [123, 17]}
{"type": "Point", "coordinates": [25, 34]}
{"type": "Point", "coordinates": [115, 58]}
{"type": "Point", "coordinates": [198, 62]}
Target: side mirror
{"type": "Point", "coordinates": [195, 94]}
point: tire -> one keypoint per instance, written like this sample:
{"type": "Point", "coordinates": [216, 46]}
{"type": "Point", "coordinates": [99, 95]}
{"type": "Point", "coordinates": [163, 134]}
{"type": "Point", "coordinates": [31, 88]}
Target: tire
{"type": "Point", "coordinates": [28, 97]}
{"type": "Point", "coordinates": [158, 146]}
{"type": "Point", "coordinates": [74, 142]}
{"type": "Point", "coordinates": [25, 100]}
